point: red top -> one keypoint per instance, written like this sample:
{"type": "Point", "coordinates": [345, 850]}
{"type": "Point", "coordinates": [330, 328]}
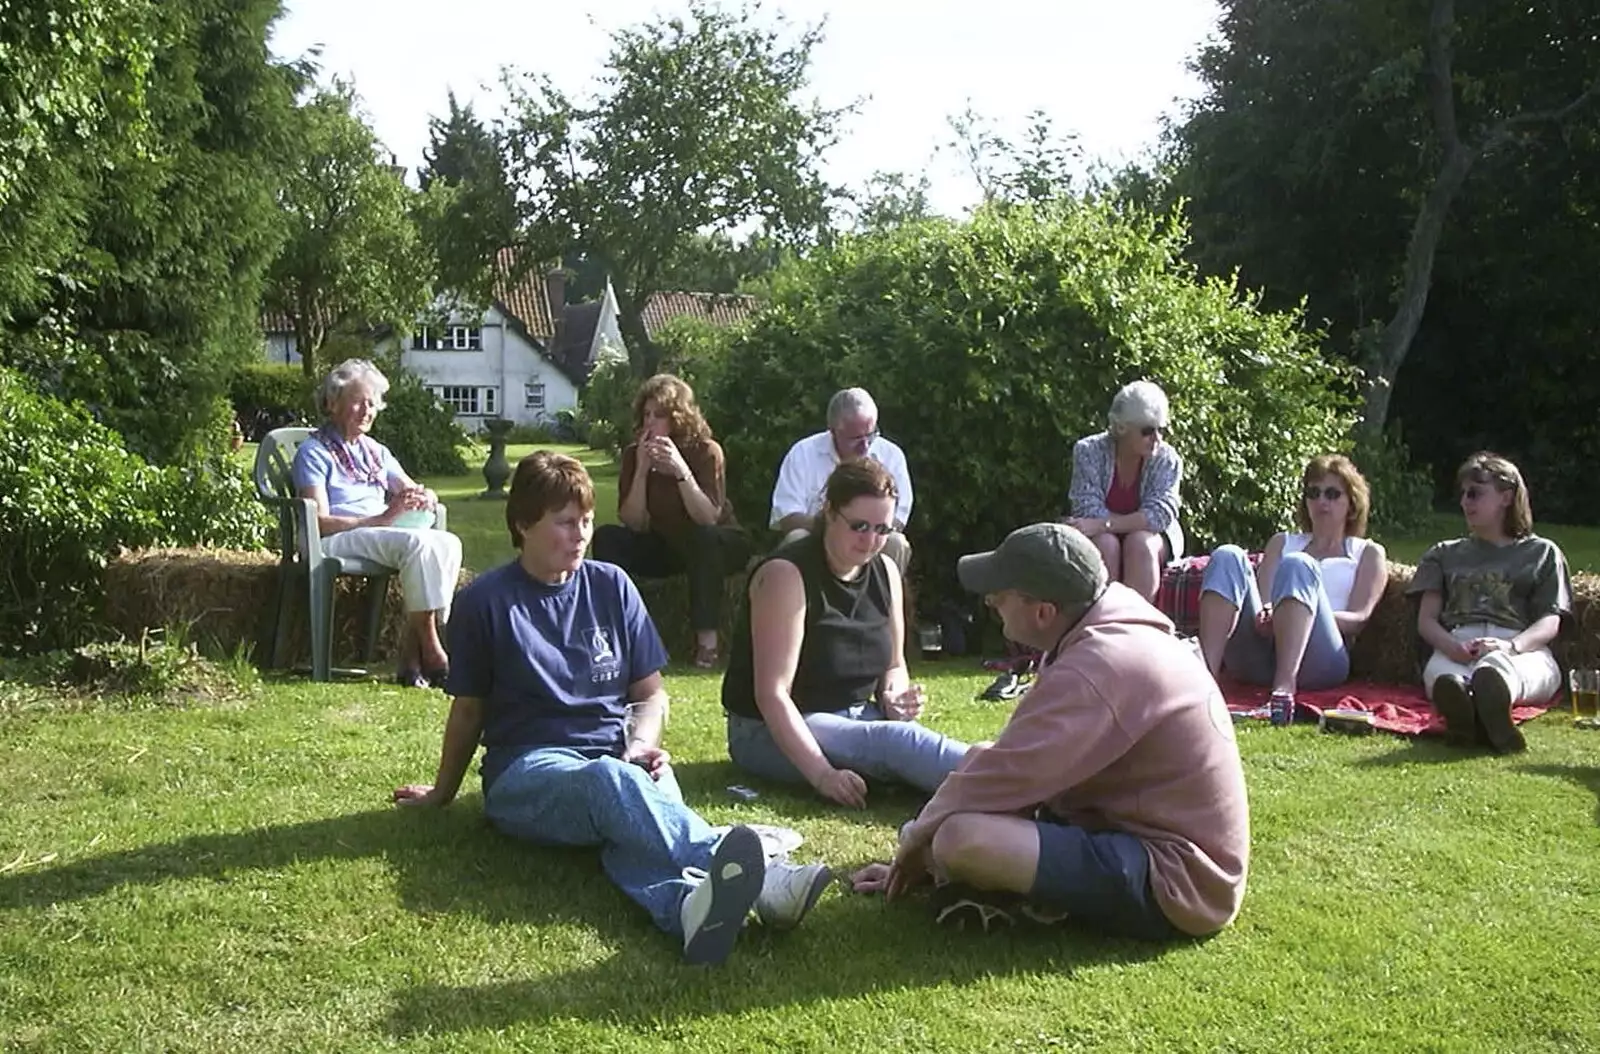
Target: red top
{"type": "Point", "coordinates": [1123, 498]}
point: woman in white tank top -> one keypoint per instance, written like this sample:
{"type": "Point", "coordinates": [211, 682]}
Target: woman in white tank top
{"type": "Point", "coordinates": [1323, 582]}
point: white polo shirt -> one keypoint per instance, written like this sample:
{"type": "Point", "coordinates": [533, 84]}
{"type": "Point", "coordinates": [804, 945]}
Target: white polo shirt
{"type": "Point", "coordinates": [808, 464]}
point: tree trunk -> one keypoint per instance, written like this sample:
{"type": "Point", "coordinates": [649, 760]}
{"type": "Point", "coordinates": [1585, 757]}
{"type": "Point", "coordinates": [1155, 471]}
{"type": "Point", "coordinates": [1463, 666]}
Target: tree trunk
{"type": "Point", "coordinates": [643, 356]}
{"type": "Point", "coordinates": [1382, 362]}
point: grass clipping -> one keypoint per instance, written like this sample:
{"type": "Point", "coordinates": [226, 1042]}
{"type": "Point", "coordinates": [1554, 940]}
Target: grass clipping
{"type": "Point", "coordinates": [122, 675]}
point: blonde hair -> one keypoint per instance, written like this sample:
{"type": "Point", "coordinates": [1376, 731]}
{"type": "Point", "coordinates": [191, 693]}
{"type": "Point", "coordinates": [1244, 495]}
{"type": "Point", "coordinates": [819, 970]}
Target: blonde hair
{"type": "Point", "coordinates": [1488, 467]}
{"type": "Point", "coordinates": [1355, 485]}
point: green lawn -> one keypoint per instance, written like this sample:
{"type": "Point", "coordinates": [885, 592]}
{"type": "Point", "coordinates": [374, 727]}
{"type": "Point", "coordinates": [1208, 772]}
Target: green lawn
{"type": "Point", "coordinates": [1580, 544]}
{"type": "Point", "coordinates": [481, 523]}
{"type": "Point", "coordinates": [232, 878]}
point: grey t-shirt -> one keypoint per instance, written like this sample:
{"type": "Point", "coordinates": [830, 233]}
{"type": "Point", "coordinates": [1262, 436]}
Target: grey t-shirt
{"type": "Point", "coordinates": [1511, 585]}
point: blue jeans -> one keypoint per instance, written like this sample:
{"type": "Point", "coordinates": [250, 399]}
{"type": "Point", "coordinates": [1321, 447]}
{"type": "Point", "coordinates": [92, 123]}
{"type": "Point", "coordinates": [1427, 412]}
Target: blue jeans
{"type": "Point", "coordinates": [1252, 657]}
{"type": "Point", "coordinates": [646, 835]}
{"type": "Point", "coordinates": [1101, 879]}
{"type": "Point", "coordinates": [860, 739]}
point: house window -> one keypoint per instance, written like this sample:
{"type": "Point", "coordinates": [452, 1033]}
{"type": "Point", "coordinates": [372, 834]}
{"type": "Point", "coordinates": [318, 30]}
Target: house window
{"type": "Point", "coordinates": [467, 401]}
{"type": "Point", "coordinates": [447, 338]}
{"type": "Point", "coordinates": [533, 395]}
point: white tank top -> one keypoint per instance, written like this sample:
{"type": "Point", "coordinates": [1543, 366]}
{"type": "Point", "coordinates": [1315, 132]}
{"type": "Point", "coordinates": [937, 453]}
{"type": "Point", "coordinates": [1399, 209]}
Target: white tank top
{"type": "Point", "coordinates": [1338, 572]}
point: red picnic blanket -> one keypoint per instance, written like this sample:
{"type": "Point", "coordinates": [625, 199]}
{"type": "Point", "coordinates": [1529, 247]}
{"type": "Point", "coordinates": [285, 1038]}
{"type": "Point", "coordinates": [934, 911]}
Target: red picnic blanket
{"type": "Point", "coordinates": [1402, 709]}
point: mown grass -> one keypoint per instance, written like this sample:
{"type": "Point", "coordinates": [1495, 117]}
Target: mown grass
{"type": "Point", "coordinates": [231, 876]}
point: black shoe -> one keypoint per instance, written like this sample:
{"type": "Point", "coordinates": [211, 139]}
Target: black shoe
{"type": "Point", "coordinates": [1492, 698]}
{"type": "Point", "coordinates": [437, 676]}
{"type": "Point", "coordinates": [963, 907]}
{"type": "Point", "coordinates": [1453, 700]}
{"type": "Point", "coordinates": [410, 679]}
{"type": "Point", "coordinates": [1006, 686]}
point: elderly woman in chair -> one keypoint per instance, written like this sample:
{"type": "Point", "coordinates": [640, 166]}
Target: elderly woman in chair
{"type": "Point", "coordinates": [368, 508]}
{"type": "Point", "coordinates": [1124, 492]}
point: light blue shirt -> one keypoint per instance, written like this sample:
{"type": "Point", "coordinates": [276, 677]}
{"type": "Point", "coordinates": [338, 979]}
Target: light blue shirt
{"type": "Point", "coordinates": [315, 466]}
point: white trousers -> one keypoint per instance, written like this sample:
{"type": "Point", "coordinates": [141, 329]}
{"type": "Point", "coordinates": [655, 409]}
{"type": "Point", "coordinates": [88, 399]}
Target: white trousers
{"type": "Point", "coordinates": [429, 561]}
{"type": "Point", "coordinates": [1533, 676]}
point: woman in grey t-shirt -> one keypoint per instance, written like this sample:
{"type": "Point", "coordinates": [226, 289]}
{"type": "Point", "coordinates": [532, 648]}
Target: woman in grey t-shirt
{"type": "Point", "coordinates": [1492, 603]}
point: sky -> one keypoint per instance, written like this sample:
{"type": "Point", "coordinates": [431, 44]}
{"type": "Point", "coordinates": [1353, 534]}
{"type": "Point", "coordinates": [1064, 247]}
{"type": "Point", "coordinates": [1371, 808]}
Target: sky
{"type": "Point", "coordinates": [1106, 70]}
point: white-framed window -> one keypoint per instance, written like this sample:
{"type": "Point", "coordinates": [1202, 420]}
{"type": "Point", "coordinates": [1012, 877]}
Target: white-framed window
{"type": "Point", "coordinates": [533, 395]}
{"type": "Point", "coordinates": [447, 338]}
{"type": "Point", "coordinates": [468, 401]}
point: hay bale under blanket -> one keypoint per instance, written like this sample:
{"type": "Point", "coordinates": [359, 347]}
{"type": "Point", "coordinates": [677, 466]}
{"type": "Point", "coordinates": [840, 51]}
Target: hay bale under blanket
{"type": "Point", "coordinates": [667, 600]}
{"type": "Point", "coordinates": [223, 600]}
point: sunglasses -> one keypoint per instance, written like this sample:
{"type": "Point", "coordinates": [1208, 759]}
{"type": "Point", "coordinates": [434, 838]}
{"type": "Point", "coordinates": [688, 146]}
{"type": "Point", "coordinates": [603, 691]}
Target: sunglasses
{"type": "Point", "coordinates": [1331, 493]}
{"type": "Point", "coordinates": [863, 526]}
{"type": "Point", "coordinates": [1152, 430]}
{"type": "Point", "coordinates": [865, 438]}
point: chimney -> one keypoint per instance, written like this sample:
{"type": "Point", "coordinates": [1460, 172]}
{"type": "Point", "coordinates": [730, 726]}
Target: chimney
{"type": "Point", "coordinates": [555, 287]}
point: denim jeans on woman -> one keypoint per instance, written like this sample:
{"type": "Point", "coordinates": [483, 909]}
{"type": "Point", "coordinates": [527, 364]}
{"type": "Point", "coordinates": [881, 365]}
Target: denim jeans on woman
{"type": "Point", "coordinates": [646, 834]}
{"type": "Point", "coordinates": [1253, 658]}
{"type": "Point", "coordinates": [860, 739]}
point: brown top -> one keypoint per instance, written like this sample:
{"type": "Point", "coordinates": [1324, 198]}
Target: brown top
{"type": "Point", "coordinates": [1125, 730]}
{"type": "Point", "coordinates": [668, 516]}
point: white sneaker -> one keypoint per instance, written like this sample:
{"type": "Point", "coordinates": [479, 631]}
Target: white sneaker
{"type": "Point", "coordinates": [789, 891]}
{"type": "Point", "coordinates": [714, 909]}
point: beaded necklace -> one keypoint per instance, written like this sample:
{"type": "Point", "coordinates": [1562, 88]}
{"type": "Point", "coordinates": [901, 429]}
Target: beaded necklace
{"type": "Point", "coordinates": [369, 467]}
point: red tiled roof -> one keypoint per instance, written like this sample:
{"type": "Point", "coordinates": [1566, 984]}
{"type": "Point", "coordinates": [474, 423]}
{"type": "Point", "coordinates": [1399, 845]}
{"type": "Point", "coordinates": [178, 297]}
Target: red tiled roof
{"type": "Point", "coordinates": [721, 309]}
{"type": "Point", "coordinates": [528, 301]}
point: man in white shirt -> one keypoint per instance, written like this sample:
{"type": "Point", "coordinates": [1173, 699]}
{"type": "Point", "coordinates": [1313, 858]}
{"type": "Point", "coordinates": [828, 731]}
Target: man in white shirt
{"type": "Point", "coordinates": [852, 433]}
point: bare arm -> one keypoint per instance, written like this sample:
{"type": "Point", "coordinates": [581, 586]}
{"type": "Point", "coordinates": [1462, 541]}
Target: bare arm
{"type": "Point", "coordinates": [794, 522]}
{"type": "Point", "coordinates": [777, 629]}
{"type": "Point", "coordinates": [327, 523]}
{"type": "Point", "coordinates": [462, 731]}
{"type": "Point", "coordinates": [1539, 635]}
{"type": "Point", "coordinates": [1372, 577]}
{"type": "Point", "coordinates": [897, 677]}
{"type": "Point", "coordinates": [1433, 630]}
{"type": "Point", "coordinates": [631, 509]}
{"type": "Point", "coordinates": [1269, 567]}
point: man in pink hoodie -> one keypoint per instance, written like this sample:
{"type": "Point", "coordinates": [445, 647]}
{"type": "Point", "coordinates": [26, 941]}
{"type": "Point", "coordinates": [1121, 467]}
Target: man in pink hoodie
{"type": "Point", "coordinates": [1114, 795]}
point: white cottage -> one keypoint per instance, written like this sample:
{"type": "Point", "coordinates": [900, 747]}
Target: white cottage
{"type": "Point", "coordinates": [519, 359]}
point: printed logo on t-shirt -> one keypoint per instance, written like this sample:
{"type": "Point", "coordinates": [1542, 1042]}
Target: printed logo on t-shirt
{"type": "Point", "coordinates": [1217, 710]}
{"type": "Point", "coordinates": [604, 664]}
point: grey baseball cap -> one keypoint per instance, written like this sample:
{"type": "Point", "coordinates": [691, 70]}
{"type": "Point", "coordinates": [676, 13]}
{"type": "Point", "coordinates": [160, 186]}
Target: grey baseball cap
{"type": "Point", "coordinates": [1050, 561]}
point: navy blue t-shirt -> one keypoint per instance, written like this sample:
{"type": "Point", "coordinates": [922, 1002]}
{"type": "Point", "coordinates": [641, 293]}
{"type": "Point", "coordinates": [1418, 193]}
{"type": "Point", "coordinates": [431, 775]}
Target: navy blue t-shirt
{"type": "Point", "coordinates": [552, 664]}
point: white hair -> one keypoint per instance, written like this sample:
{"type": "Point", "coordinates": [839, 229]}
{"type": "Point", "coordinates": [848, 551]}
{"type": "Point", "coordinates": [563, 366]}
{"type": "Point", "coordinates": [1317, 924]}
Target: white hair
{"type": "Point", "coordinates": [348, 372]}
{"type": "Point", "coordinates": [850, 402]}
{"type": "Point", "coordinates": [1137, 405]}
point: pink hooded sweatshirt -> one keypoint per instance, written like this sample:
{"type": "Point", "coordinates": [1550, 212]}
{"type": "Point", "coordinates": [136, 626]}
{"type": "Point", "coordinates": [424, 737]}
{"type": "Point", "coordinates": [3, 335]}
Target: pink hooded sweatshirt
{"type": "Point", "coordinates": [1125, 730]}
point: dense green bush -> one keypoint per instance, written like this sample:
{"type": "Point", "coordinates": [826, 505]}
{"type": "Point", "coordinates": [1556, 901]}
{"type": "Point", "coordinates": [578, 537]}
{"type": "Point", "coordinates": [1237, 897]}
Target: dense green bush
{"type": "Point", "coordinates": [1402, 491]}
{"type": "Point", "coordinates": [71, 496]}
{"type": "Point", "coordinates": [991, 346]}
{"type": "Point", "coordinates": [421, 431]}
{"type": "Point", "coordinates": [605, 409]}
{"type": "Point", "coordinates": [268, 395]}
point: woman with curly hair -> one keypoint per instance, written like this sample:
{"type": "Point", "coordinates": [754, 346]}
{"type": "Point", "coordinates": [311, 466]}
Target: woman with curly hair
{"type": "Point", "coordinates": [673, 504]}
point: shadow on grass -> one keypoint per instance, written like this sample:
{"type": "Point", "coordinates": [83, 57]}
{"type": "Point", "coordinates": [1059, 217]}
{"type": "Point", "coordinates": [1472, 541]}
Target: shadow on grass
{"type": "Point", "coordinates": [1586, 776]}
{"type": "Point", "coordinates": [1423, 750]}
{"type": "Point", "coordinates": [451, 862]}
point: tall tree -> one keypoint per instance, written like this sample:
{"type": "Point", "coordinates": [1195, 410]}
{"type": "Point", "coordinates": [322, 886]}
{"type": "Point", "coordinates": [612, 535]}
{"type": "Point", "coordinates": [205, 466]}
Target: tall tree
{"type": "Point", "coordinates": [354, 258]}
{"type": "Point", "coordinates": [469, 210]}
{"type": "Point", "coordinates": [146, 129]}
{"type": "Point", "coordinates": [1335, 139]}
{"type": "Point", "coordinates": [698, 127]}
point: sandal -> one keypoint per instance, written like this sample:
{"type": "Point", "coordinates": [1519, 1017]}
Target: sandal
{"type": "Point", "coordinates": [437, 676]}
{"type": "Point", "coordinates": [411, 678]}
{"type": "Point", "coordinates": [705, 657]}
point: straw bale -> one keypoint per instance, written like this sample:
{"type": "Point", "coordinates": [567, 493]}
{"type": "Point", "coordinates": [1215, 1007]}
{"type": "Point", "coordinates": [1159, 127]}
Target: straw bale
{"type": "Point", "coordinates": [224, 600]}
{"type": "Point", "coordinates": [1390, 650]}
{"type": "Point", "coordinates": [667, 600]}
